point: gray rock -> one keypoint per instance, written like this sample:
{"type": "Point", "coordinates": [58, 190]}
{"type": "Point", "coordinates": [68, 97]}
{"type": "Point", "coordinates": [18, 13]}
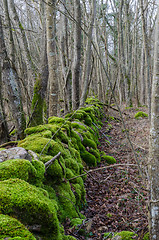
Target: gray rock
{"type": "Point", "coordinates": [14, 153]}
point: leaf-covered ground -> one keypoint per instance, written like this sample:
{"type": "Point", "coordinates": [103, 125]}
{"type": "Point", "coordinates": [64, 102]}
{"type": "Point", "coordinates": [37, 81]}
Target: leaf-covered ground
{"type": "Point", "coordinates": [117, 197]}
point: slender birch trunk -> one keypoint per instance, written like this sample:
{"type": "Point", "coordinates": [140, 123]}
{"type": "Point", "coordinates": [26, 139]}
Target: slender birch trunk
{"type": "Point", "coordinates": [88, 56]}
{"type": "Point", "coordinates": [77, 57]}
{"type": "Point", "coordinates": [147, 61]}
{"type": "Point", "coordinates": [51, 55]}
{"type": "Point", "coordinates": [154, 145]}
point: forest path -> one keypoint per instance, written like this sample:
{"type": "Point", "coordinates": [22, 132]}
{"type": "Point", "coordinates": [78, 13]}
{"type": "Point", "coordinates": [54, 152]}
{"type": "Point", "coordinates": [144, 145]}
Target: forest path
{"type": "Point", "coordinates": [117, 197]}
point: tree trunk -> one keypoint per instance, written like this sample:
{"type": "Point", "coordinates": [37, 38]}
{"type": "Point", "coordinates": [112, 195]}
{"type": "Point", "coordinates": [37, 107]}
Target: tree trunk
{"type": "Point", "coordinates": [51, 55]}
{"type": "Point", "coordinates": [77, 57]}
{"type": "Point", "coordinates": [10, 78]}
{"type": "Point", "coordinates": [88, 56]}
{"type": "Point", "coordinates": [147, 62]}
{"type": "Point", "coordinates": [154, 145]}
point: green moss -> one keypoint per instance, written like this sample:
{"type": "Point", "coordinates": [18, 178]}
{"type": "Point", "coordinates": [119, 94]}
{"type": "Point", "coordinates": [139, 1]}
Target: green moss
{"type": "Point", "coordinates": [78, 193]}
{"type": "Point", "coordinates": [56, 120]}
{"type": "Point", "coordinates": [11, 228]}
{"type": "Point", "coordinates": [1, 149]}
{"type": "Point", "coordinates": [79, 125]}
{"type": "Point", "coordinates": [96, 153]}
{"type": "Point", "coordinates": [140, 114]}
{"type": "Point", "coordinates": [36, 144]}
{"type": "Point", "coordinates": [89, 143]}
{"type": "Point", "coordinates": [126, 235]}
{"type": "Point", "coordinates": [13, 132]}
{"type": "Point", "coordinates": [108, 159]}
{"type": "Point", "coordinates": [40, 171]}
{"type": "Point", "coordinates": [67, 201]}
{"type": "Point", "coordinates": [63, 137]}
{"type": "Point", "coordinates": [36, 129]}
{"type": "Point", "coordinates": [76, 115]}
{"type": "Point", "coordinates": [88, 158]}
{"type": "Point", "coordinates": [37, 104]}
{"type": "Point", "coordinates": [30, 204]}
{"type": "Point", "coordinates": [72, 164]}
{"type": "Point", "coordinates": [146, 236]}
{"type": "Point", "coordinates": [17, 168]}
{"type": "Point", "coordinates": [108, 235]}
{"type": "Point", "coordinates": [88, 120]}
{"type": "Point", "coordinates": [69, 238]}
{"type": "Point", "coordinates": [54, 172]}
{"type": "Point", "coordinates": [76, 221]}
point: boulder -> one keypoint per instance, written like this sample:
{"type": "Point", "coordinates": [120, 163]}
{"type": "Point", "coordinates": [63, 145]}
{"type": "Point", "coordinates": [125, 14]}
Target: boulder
{"type": "Point", "coordinates": [14, 153]}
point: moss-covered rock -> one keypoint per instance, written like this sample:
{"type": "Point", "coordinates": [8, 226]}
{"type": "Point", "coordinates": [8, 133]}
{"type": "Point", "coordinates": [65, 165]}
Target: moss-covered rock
{"type": "Point", "coordinates": [108, 159]}
{"type": "Point", "coordinates": [67, 206]}
{"type": "Point", "coordinates": [126, 235]}
{"type": "Point", "coordinates": [17, 168]}
{"type": "Point", "coordinates": [89, 143]}
{"type": "Point", "coordinates": [140, 115]}
{"type": "Point", "coordinates": [55, 120]}
{"type": "Point", "coordinates": [11, 228]}
{"type": "Point", "coordinates": [88, 158]}
{"type": "Point", "coordinates": [31, 205]}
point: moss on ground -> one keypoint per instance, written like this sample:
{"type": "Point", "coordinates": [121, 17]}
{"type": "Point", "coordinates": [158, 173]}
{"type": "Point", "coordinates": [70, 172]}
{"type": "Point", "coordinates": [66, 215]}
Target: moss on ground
{"type": "Point", "coordinates": [125, 235]}
{"type": "Point", "coordinates": [140, 115]}
{"type": "Point", "coordinates": [146, 236]}
{"type": "Point", "coordinates": [107, 159]}
{"type": "Point", "coordinates": [11, 228]}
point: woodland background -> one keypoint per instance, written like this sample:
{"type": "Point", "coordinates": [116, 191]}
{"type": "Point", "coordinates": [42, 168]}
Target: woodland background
{"type": "Point", "coordinates": [54, 53]}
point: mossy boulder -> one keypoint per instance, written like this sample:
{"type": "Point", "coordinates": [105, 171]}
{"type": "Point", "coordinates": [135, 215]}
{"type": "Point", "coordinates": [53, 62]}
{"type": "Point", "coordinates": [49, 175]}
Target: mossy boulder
{"type": "Point", "coordinates": [126, 235]}
{"type": "Point", "coordinates": [140, 115]}
{"type": "Point", "coordinates": [11, 228]}
{"type": "Point", "coordinates": [17, 168]}
{"type": "Point", "coordinates": [89, 143]}
{"type": "Point", "coordinates": [108, 159]}
{"type": "Point", "coordinates": [32, 172]}
{"type": "Point", "coordinates": [67, 206]}
{"type": "Point", "coordinates": [88, 158]}
{"type": "Point", "coordinates": [31, 205]}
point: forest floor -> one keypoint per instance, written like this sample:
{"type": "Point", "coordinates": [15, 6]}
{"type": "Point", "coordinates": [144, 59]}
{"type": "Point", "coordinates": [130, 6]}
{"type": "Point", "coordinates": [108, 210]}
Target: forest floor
{"type": "Point", "coordinates": [117, 197]}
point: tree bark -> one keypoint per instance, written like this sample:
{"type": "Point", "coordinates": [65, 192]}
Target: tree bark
{"type": "Point", "coordinates": [154, 145]}
{"type": "Point", "coordinates": [87, 61]}
{"type": "Point", "coordinates": [77, 57]}
{"type": "Point", "coordinates": [10, 78]}
{"type": "Point", "coordinates": [51, 55]}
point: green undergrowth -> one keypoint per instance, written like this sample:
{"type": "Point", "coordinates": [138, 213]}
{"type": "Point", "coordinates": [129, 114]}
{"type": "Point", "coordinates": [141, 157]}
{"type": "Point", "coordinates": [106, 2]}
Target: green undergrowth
{"type": "Point", "coordinates": [124, 235]}
{"type": "Point", "coordinates": [140, 115]}
{"type": "Point", "coordinates": [44, 198]}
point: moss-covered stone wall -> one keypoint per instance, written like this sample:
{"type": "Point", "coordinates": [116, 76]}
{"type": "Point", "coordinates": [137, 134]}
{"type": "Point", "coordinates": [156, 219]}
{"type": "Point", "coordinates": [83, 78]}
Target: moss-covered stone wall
{"type": "Point", "coordinates": [40, 198]}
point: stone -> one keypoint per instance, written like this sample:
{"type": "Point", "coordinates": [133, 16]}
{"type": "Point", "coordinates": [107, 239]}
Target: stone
{"type": "Point", "coordinates": [14, 153]}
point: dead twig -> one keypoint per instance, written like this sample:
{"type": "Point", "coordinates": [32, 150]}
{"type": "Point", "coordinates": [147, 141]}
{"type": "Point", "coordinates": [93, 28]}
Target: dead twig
{"type": "Point", "coordinates": [47, 164]}
{"type": "Point", "coordinates": [8, 143]}
{"type": "Point", "coordinates": [101, 168]}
